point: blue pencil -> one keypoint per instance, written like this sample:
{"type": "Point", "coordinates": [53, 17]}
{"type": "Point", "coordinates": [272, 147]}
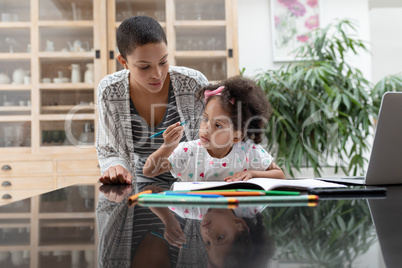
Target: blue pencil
{"type": "Point", "coordinates": [161, 132]}
{"type": "Point", "coordinates": [161, 236]}
{"type": "Point", "coordinates": [191, 194]}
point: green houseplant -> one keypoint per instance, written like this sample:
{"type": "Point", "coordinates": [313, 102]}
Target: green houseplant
{"type": "Point", "coordinates": [388, 83]}
{"type": "Point", "coordinates": [322, 107]}
{"type": "Point", "coordinates": [332, 234]}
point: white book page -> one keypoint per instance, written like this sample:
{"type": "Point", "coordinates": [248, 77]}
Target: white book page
{"type": "Point", "coordinates": [267, 184]}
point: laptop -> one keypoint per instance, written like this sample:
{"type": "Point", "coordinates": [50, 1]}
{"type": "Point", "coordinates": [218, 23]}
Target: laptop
{"type": "Point", "coordinates": [387, 220]}
{"type": "Point", "coordinates": [385, 165]}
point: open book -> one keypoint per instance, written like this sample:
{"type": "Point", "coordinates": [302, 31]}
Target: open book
{"type": "Point", "coordinates": [257, 184]}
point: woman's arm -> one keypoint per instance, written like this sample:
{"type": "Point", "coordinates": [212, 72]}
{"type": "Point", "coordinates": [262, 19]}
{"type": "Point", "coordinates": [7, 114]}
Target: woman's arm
{"type": "Point", "coordinates": [114, 161]}
{"type": "Point", "coordinates": [158, 163]}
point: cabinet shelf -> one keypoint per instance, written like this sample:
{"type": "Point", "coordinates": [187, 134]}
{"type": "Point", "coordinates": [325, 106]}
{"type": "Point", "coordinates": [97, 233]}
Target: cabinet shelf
{"type": "Point", "coordinates": [14, 247]}
{"type": "Point", "coordinates": [62, 117]}
{"type": "Point", "coordinates": [75, 23]}
{"type": "Point", "coordinates": [15, 25]}
{"type": "Point", "coordinates": [14, 225]}
{"type": "Point", "coordinates": [22, 151]}
{"type": "Point", "coordinates": [201, 54]}
{"type": "Point", "coordinates": [72, 247]}
{"type": "Point", "coordinates": [14, 87]}
{"type": "Point", "coordinates": [14, 108]}
{"type": "Point", "coordinates": [65, 224]}
{"type": "Point", "coordinates": [15, 56]}
{"type": "Point", "coordinates": [198, 23]}
{"type": "Point", "coordinates": [15, 118]}
{"type": "Point", "coordinates": [67, 55]}
{"type": "Point", "coordinates": [67, 215]}
{"type": "Point", "coordinates": [66, 86]}
{"type": "Point", "coordinates": [66, 107]}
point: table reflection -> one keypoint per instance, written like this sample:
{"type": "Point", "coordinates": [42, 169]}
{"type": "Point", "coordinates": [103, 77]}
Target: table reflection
{"type": "Point", "coordinates": [334, 234]}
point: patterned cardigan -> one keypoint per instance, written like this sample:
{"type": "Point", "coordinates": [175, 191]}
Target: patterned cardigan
{"type": "Point", "coordinates": [114, 139]}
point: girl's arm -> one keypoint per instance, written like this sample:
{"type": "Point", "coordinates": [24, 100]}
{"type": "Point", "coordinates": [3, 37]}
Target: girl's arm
{"type": "Point", "coordinates": [273, 171]}
{"type": "Point", "coordinates": [158, 163]}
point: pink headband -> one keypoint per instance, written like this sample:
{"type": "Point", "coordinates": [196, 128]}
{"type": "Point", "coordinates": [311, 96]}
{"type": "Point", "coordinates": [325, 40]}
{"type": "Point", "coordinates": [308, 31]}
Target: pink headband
{"type": "Point", "coordinates": [216, 92]}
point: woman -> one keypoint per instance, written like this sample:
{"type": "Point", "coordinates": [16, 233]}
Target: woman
{"type": "Point", "coordinates": [143, 99]}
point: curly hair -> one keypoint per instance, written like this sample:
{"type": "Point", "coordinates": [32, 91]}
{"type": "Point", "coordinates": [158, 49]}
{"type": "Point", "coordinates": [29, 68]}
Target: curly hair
{"type": "Point", "coordinates": [250, 110]}
{"type": "Point", "coordinates": [253, 248]}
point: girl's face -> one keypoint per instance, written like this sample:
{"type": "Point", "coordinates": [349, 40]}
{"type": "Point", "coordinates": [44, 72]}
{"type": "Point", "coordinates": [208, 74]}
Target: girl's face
{"type": "Point", "coordinates": [216, 130]}
{"type": "Point", "coordinates": [219, 228]}
{"type": "Point", "coordinates": [148, 66]}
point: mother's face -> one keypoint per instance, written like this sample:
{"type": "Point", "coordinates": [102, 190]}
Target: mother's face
{"type": "Point", "coordinates": [148, 66]}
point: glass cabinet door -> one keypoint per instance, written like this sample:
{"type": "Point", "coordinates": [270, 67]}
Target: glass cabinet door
{"type": "Point", "coordinates": [15, 74]}
{"type": "Point", "coordinates": [66, 70]}
{"type": "Point", "coordinates": [202, 37]}
{"type": "Point", "coordinates": [50, 65]}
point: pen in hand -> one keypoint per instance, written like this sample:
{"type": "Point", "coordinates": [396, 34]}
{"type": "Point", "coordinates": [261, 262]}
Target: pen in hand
{"type": "Point", "coordinates": [161, 132]}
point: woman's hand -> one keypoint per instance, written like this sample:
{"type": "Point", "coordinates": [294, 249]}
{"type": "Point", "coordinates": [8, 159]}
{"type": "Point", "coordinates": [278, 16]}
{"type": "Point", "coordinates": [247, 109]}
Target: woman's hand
{"type": "Point", "coordinates": [116, 193]}
{"type": "Point", "coordinates": [240, 176]}
{"type": "Point", "coordinates": [116, 175]}
{"type": "Point", "coordinates": [172, 135]}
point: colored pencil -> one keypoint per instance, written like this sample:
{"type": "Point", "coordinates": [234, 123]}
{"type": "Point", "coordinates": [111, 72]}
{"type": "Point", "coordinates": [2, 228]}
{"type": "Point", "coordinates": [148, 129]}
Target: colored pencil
{"type": "Point", "coordinates": [240, 192]}
{"type": "Point", "coordinates": [172, 199]}
{"type": "Point", "coordinates": [134, 198]}
{"type": "Point", "coordinates": [234, 206]}
{"type": "Point", "coordinates": [192, 194]}
{"type": "Point", "coordinates": [161, 236]}
{"type": "Point", "coordinates": [161, 132]}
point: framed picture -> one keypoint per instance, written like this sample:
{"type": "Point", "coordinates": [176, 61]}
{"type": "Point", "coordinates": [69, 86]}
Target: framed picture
{"type": "Point", "coordinates": [292, 21]}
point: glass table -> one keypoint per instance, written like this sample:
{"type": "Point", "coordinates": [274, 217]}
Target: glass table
{"type": "Point", "coordinates": [93, 226]}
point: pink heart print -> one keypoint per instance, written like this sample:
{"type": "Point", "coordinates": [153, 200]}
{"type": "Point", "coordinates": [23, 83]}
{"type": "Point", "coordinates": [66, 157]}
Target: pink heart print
{"type": "Point", "coordinates": [185, 149]}
{"type": "Point", "coordinates": [224, 164]}
{"type": "Point", "coordinates": [186, 211]}
{"type": "Point", "coordinates": [202, 175]}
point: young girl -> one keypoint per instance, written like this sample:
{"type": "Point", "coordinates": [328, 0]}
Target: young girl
{"type": "Point", "coordinates": [233, 123]}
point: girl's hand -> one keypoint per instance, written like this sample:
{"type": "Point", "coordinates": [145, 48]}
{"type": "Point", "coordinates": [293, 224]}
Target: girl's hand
{"type": "Point", "coordinates": [172, 135]}
{"type": "Point", "coordinates": [116, 175]}
{"type": "Point", "coordinates": [240, 176]}
{"type": "Point", "coordinates": [173, 233]}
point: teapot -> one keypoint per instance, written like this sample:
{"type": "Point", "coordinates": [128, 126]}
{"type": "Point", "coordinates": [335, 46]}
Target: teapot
{"type": "Point", "coordinates": [4, 79]}
{"type": "Point", "coordinates": [76, 46]}
{"type": "Point", "coordinates": [18, 76]}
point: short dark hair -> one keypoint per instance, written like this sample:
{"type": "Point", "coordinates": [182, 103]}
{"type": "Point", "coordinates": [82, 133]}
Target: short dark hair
{"type": "Point", "coordinates": [249, 103]}
{"type": "Point", "coordinates": [138, 31]}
